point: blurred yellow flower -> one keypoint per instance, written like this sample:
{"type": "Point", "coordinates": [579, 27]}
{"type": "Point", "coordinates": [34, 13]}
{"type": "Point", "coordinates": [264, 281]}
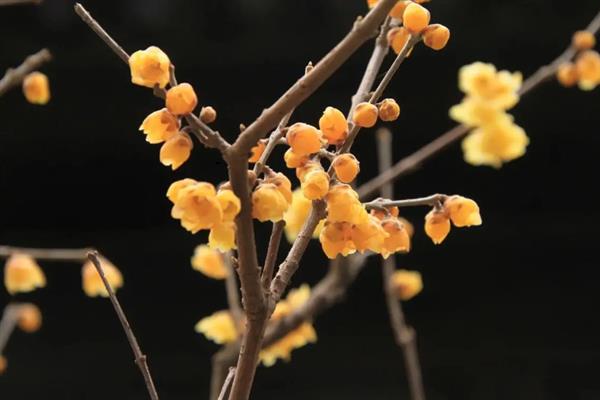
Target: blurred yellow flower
{"type": "Point", "coordinates": [475, 112]}
{"type": "Point", "coordinates": [209, 262]}
{"type": "Point", "coordinates": [149, 67]}
{"type": "Point", "coordinates": [406, 284]}
{"type": "Point", "coordinates": [299, 337]}
{"type": "Point", "coordinates": [3, 364]}
{"type": "Point", "coordinates": [222, 236]}
{"type": "Point", "coordinates": [495, 144]}
{"type": "Point", "coordinates": [219, 327]}
{"type": "Point", "coordinates": [369, 236]}
{"type": "Point", "coordinates": [22, 274]}
{"type": "Point", "coordinates": [296, 216]}
{"type": "Point", "coordinates": [92, 282]}
{"type": "Point", "coordinates": [230, 204]}
{"type": "Point", "coordinates": [30, 318]}
{"type": "Point", "coordinates": [497, 88]}
{"type": "Point", "coordinates": [36, 88]}
{"type": "Point", "coordinates": [268, 203]}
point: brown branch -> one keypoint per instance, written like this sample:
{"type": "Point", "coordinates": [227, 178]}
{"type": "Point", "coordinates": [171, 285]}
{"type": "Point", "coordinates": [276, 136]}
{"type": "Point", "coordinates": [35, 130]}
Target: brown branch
{"type": "Point", "coordinates": [75, 255]}
{"type": "Point", "coordinates": [415, 160]}
{"type": "Point", "coordinates": [433, 201]}
{"type": "Point", "coordinates": [14, 77]}
{"type": "Point", "coordinates": [272, 251]}
{"type": "Point", "coordinates": [226, 384]}
{"type": "Point", "coordinates": [222, 361]}
{"type": "Point", "coordinates": [19, 2]}
{"type": "Point", "coordinates": [363, 29]}
{"type": "Point", "coordinates": [140, 358]}
{"type": "Point", "coordinates": [273, 141]}
{"type": "Point", "coordinates": [10, 316]}
{"type": "Point", "coordinates": [231, 288]}
{"type": "Point", "coordinates": [404, 335]}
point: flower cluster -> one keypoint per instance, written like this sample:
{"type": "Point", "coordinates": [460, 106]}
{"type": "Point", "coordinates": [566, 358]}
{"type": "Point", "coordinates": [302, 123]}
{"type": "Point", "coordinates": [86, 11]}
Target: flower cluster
{"type": "Point", "coordinates": [220, 327]}
{"type": "Point", "coordinates": [152, 68]}
{"type": "Point", "coordinates": [460, 210]}
{"type": "Point", "coordinates": [585, 71]}
{"type": "Point", "coordinates": [199, 206]}
{"type": "Point", "coordinates": [496, 139]}
{"type": "Point", "coordinates": [36, 88]}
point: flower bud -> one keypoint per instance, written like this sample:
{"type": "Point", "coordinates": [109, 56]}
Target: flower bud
{"type": "Point", "coordinates": [92, 283]}
{"type": "Point", "coordinates": [36, 88]}
{"type": "Point", "coordinates": [208, 114]}
{"type": "Point", "coordinates": [436, 36]}
{"type": "Point", "coordinates": [181, 99]}
{"type": "Point", "coordinates": [334, 126]}
{"type": "Point", "coordinates": [315, 184]}
{"type": "Point", "coordinates": [389, 110]}
{"type": "Point", "coordinates": [30, 318]}
{"type": "Point", "coordinates": [583, 40]}
{"type": "Point", "coordinates": [304, 139]}
{"type": "Point", "coordinates": [437, 226]}
{"type": "Point", "coordinates": [365, 115]}
{"type": "Point", "coordinates": [415, 18]}
{"type": "Point", "coordinates": [346, 167]}
{"type": "Point", "coordinates": [293, 160]}
{"type": "Point", "coordinates": [150, 67]}
{"type": "Point", "coordinates": [463, 211]}
{"type": "Point", "coordinates": [209, 262]}
{"type": "Point", "coordinates": [160, 126]}
{"type": "Point", "coordinates": [567, 74]}
{"type": "Point", "coordinates": [397, 38]}
{"type": "Point", "coordinates": [406, 284]}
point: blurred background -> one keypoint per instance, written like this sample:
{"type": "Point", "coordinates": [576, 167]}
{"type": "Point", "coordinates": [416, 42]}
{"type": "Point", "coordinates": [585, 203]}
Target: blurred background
{"type": "Point", "coordinates": [508, 309]}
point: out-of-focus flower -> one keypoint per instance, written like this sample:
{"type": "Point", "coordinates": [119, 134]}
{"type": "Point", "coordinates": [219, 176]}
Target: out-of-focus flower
{"type": "Point", "coordinates": [222, 236]}
{"type": "Point", "coordinates": [22, 274]}
{"type": "Point", "coordinates": [406, 284]}
{"type": "Point", "coordinates": [296, 216]}
{"type": "Point", "coordinates": [150, 67]}
{"type": "Point", "coordinates": [29, 318]}
{"type": "Point", "coordinates": [36, 88]}
{"type": "Point", "coordinates": [397, 240]}
{"type": "Point", "coordinates": [474, 112]}
{"type": "Point", "coordinates": [92, 282]}
{"type": "Point", "coordinates": [257, 151]}
{"type": "Point", "coordinates": [499, 89]}
{"type": "Point", "coordinates": [208, 114]}
{"type": "Point", "coordinates": [209, 262]}
{"type": "Point", "coordinates": [3, 364]}
{"type": "Point", "coordinates": [219, 327]}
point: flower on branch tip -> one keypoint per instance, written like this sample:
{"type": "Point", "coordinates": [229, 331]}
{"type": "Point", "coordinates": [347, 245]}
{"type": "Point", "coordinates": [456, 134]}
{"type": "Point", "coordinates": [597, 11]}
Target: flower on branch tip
{"type": "Point", "coordinates": [36, 88]}
{"type": "Point", "coordinates": [495, 144]}
{"type": "Point", "coordinates": [296, 338]}
{"type": "Point", "coordinates": [222, 236]}
{"type": "Point", "coordinates": [29, 318]}
{"type": "Point", "coordinates": [397, 38]}
{"type": "Point", "coordinates": [92, 282]}
{"type": "Point", "coordinates": [219, 327]}
{"type": "Point", "coordinates": [176, 150]}
{"type": "Point", "coordinates": [389, 110]}
{"type": "Point", "coordinates": [436, 36]}
{"type": "Point", "coordinates": [22, 274]}
{"type": "Point", "coordinates": [462, 211]}
{"type": "Point", "coordinates": [293, 160]}
{"type": "Point", "coordinates": [297, 214]}
{"type": "Point", "coordinates": [365, 115]}
{"type": "Point", "coordinates": [588, 69]}
{"type": "Point", "coordinates": [415, 18]}
{"type": "Point", "coordinates": [181, 99]}
{"type": "Point", "coordinates": [150, 67]}
{"type": "Point", "coordinates": [195, 204]}
{"type": "Point", "coordinates": [268, 203]}
{"type": "Point", "coordinates": [346, 167]}
{"type": "Point", "coordinates": [583, 40]}
{"type": "Point", "coordinates": [437, 225]}
{"type": "Point", "coordinates": [336, 239]}
{"type": "Point", "coordinates": [406, 284]}
{"type": "Point", "coordinates": [209, 262]}
{"type": "Point", "coordinates": [257, 151]}
{"type": "Point", "coordinates": [334, 126]}
{"type": "Point", "coordinates": [208, 114]}
{"type": "Point", "coordinates": [160, 126]}
{"type": "Point", "coordinates": [482, 81]}
{"type": "Point", "coordinates": [304, 139]}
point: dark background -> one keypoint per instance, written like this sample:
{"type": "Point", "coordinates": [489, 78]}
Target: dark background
{"type": "Point", "coordinates": [509, 309]}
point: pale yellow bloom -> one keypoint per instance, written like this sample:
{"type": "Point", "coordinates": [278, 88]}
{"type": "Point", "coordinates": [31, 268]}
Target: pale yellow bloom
{"type": "Point", "coordinates": [296, 215]}
{"type": "Point", "coordinates": [92, 282]}
{"type": "Point", "coordinates": [497, 88]}
{"type": "Point", "coordinates": [230, 204]}
{"type": "Point", "coordinates": [209, 262]}
{"type": "Point", "coordinates": [22, 274]}
{"type": "Point", "coordinates": [406, 284]}
{"type": "Point", "coordinates": [160, 126]}
{"type": "Point", "coordinates": [495, 144]}
{"type": "Point", "coordinates": [150, 67]}
{"type": "Point", "coordinates": [299, 337]}
{"type": "Point", "coordinates": [463, 211]}
{"type": "Point", "coordinates": [336, 239]}
{"type": "Point", "coordinates": [195, 204]}
{"type": "Point", "coordinates": [476, 112]}
{"type": "Point", "coordinates": [222, 236]}
{"type": "Point", "coordinates": [219, 327]}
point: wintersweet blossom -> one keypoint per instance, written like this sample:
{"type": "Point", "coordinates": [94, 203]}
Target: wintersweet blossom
{"type": "Point", "coordinates": [29, 318]}
{"type": "Point", "coordinates": [160, 126]}
{"type": "Point", "coordinates": [209, 262]}
{"type": "Point", "coordinates": [22, 274]}
{"type": "Point", "coordinates": [36, 88]}
{"type": "Point", "coordinates": [218, 327]}
{"type": "Point", "coordinates": [150, 67]}
{"type": "Point", "coordinates": [92, 282]}
{"type": "Point", "coordinates": [406, 284]}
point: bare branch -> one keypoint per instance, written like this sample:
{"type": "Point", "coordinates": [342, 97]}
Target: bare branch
{"type": "Point", "coordinates": [140, 358]}
{"type": "Point", "coordinates": [226, 384]}
{"type": "Point", "coordinates": [271, 258]}
{"type": "Point", "coordinates": [231, 287]}
{"type": "Point", "coordinates": [404, 334]}
{"type": "Point", "coordinates": [222, 361]}
{"type": "Point", "coordinates": [19, 2]}
{"type": "Point", "coordinates": [415, 160]}
{"type": "Point", "coordinates": [8, 322]}
{"type": "Point", "coordinates": [14, 77]}
{"type": "Point", "coordinates": [433, 201]}
{"type": "Point", "coordinates": [76, 255]}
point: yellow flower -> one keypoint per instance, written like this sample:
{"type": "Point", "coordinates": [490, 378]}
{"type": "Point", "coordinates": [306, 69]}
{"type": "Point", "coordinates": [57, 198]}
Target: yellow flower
{"type": "Point", "coordinates": [222, 236]}
{"type": "Point", "coordinates": [230, 204]}
{"type": "Point", "coordinates": [299, 337]}
{"type": "Point", "coordinates": [497, 88]}
{"type": "Point", "coordinates": [195, 204]}
{"type": "Point", "coordinates": [369, 236]}
{"type": "Point", "coordinates": [406, 284]}
{"type": "Point", "coordinates": [463, 211]}
{"type": "Point", "coordinates": [257, 151]}
{"type": "Point", "coordinates": [436, 36]}
{"type": "Point", "coordinates": [36, 88]}
{"type": "Point", "coordinates": [315, 184]}
{"type": "Point", "coordinates": [149, 67]}
{"type": "Point", "coordinates": [476, 112]}
{"type": "Point", "coordinates": [92, 282]}
{"type": "Point", "coordinates": [176, 150]}
{"type": "Point", "coordinates": [398, 239]}
{"type": "Point", "coordinates": [22, 274]}
{"type": "Point", "coordinates": [343, 205]}
{"type": "Point", "coordinates": [588, 69]}
{"type": "Point", "coordinates": [160, 126]}
{"type": "Point", "coordinates": [304, 139]}
{"type": "Point", "coordinates": [495, 144]}
{"type": "Point", "coordinates": [293, 160]}
{"type": "Point", "coordinates": [346, 167]}
{"type": "Point", "coordinates": [181, 99]}
{"type": "Point", "coordinates": [268, 203]}
{"type": "Point", "coordinates": [437, 226]}
{"type": "Point", "coordinates": [29, 318]}
{"type": "Point", "coordinates": [296, 216]}
{"type": "Point", "coordinates": [336, 238]}
{"type": "Point", "coordinates": [208, 114]}
{"type": "Point", "coordinates": [365, 115]}
{"type": "Point", "coordinates": [219, 327]}
{"type": "Point", "coordinates": [334, 126]}
{"type": "Point", "coordinates": [282, 183]}
{"type": "Point", "coordinates": [209, 262]}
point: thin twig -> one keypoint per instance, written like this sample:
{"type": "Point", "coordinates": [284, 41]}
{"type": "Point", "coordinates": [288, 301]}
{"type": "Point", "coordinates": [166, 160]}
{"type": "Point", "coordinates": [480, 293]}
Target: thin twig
{"type": "Point", "coordinates": [226, 384]}
{"type": "Point", "coordinates": [272, 251]}
{"type": "Point", "coordinates": [8, 323]}
{"type": "Point", "coordinates": [233, 296]}
{"type": "Point", "coordinates": [414, 161]}
{"type": "Point", "coordinates": [222, 361]}
{"type": "Point", "coordinates": [272, 142]}
{"type": "Point", "coordinates": [140, 358]}
{"type": "Point", "coordinates": [404, 335]}
{"type": "Point", "coordinates": [432, 201]}
{"type": "Point", "coordinates": [75, 255]}
{"type": "Point", "coordinates": [14, 77]}
{"type": "Point", "coordinates": [19, 2]}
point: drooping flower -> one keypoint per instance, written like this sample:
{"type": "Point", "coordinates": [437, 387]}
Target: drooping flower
{"type": "Point", "coordinates": [230, 204]}
{"type": "Point", "coordinates": [92, 282]}
{"type": "Point", "coordinates": [36, 88]}
{"type": "Point", "coordinates": [181, 99]}
{"type": "Point", "coordinates": [346, 167]}
{"type": "Point", "coordinates": [176, 150]}
{"type": "Point", "coordinates": [588, 69]}
{"type": "Point", "coordinates": [268, 203]}
{"type": "Point", "coordinates": [219, 327]}
{"type": "Point", "coordinates": [209, 262]}
{"type": "Point", "coordinates": [475, 112]}
{"type": "Point", "coordinates": [462, 211]}
{"type": "Point", "coordinates": [22, 274]}
{"type": "Point", "coordinates": [336, 239]}
{"type": "Point", "coordinates": [150, 67]}
{"type": "Point", "coordinates": [195, 204]}
{"type": "Point", "coordinates": [208, 114]}
{"type": "Point", "coordinates": [437, 225]}
{"type": "Point", "coordinates": [160, 126]}
{"type": "Point", "coordinates": [222, 236]}
{"type": "Point", "coordinates": [369, 236]}
{"type": "Point", "coordinates": [343, 205]}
